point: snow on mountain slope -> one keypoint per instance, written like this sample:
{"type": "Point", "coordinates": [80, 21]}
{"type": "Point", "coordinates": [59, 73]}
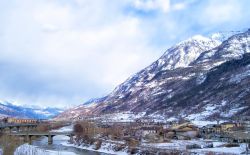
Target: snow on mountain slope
{"type": "Point", "coordinates": [10, 110]}
{"type": "Point", "coordinates": [85, 108]}
{"type": "Point", "coordinates": [182, 54]}
{"type": "Point", "coordinates": [223, 94]}
{"type": "Point", "coordinates": [95, 100]}
{"type": "Point", "coordinates": [232, 48]}
{"type": "Point", "coordinates": [179, 83]}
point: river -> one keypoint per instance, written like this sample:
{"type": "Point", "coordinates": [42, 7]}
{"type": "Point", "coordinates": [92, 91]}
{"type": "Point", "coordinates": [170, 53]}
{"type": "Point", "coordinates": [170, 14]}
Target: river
{"type": "Point", "coordinates": [57, 148]}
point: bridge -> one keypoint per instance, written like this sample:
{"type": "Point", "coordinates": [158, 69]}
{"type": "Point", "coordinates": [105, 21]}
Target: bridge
{"type": "Point", "coordinates": [28, 135]}
{"type": "Point", "coordinates": [27, 131]}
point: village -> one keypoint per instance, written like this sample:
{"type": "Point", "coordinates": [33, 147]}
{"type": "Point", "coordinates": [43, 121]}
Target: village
{"type": "Point", "coordinates": [146, 136]}
{"type": "Point", "coordinates": [176, 137]}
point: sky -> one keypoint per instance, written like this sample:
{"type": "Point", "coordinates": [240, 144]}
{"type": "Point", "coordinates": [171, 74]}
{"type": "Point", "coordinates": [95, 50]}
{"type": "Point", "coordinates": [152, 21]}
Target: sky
{"type": "Point", "coordinates": [60, 53]}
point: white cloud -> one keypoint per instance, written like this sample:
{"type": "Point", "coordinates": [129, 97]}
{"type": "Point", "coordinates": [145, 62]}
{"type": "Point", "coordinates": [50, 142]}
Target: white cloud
{"type": "Point", "coordinates": [66, 49]}
{"type": "Point", "coordinates": [65, 52]}
{"type": "Point", "coordinates": [218, 12]}
{"type": "Point", "coordinates": [179, 6]}
{"type": "Point", "coordinates": [148, 5]}
{"type": "Point", "coordinates": [49, 28]}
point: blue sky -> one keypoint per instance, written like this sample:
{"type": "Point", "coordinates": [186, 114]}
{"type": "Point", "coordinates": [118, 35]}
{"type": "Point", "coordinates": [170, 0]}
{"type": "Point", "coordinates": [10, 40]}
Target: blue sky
{"type": "Point", "coordinates": [64, 52]}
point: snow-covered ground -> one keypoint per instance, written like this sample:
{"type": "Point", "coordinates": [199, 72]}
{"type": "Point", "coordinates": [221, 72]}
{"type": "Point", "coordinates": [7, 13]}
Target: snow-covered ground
{"type": "Point", "coordinates": [225, 150]}
{"type": "Point", "coordinates": [200, 123]}
{"type": "Point", "coordinates": [26, 149]}
{"type": "Point", "coordinates": [180, 144]}
{"type": "Point", "coordinates": [217, 146]}
{"type": "Point", "coordinates": [173, 145]}
{"type": "Point", "coordinates": [119, 117]}
{"type": "Point", "coordinates": [105, 148]}
{"type": "Point", "coordinates": [197, 119]}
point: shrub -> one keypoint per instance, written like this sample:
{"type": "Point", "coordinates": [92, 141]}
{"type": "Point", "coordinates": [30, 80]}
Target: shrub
{"type": "Point", "coordinates": [78, 129]}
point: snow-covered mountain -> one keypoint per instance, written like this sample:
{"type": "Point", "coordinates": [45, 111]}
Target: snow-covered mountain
{"type": "Point", "coordinates": [10, 110]}
{"type": "Point", "coordinates": [199, 78]}
{"type": "Point", "coordinates": [232, 48]}
{"type": "Point", "coordinates": [182, 54]}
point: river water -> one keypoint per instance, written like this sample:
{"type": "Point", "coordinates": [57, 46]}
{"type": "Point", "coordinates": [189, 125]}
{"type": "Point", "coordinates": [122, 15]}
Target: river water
{"type": "Point", "coordinates": [58, 148]}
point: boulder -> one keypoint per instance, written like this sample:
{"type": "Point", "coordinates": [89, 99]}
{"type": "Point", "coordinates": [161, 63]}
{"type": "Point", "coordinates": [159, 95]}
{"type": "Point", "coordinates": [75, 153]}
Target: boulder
{"type": "Point", "coordinates": [97, 144]}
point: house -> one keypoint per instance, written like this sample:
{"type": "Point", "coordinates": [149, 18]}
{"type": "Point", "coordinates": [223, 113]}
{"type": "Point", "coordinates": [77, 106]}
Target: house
{"type": "Point", "coordinates": [168, 134]}
{"type": "Point", "coordinates": [173, 123]}
{"type": "Point", "coordinates": [152, 133]}
{"type": "Point", "coordinates": [185, 131]}
{"type": "Point", "coordinates": [213, 128]}
{"type": "Point", "coordinates": [184, 126]}
{"type": "Point", "coordinates": [17, 120]}
{"type": "Point", "coordinates": [210, 130]}
{"type": "Point", "coordinates": [245, 123]}
{"type": "Point", "coordinates": [150, 130]}
{"type": "Point", "coordinates": [227, 126]}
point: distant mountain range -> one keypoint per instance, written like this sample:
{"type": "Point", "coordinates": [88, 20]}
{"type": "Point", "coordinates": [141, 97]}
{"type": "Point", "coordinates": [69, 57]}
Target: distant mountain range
{"type": "Point", "coordinates": [10, 110]}
{"type": "Point", "coordinates": [198, 79]}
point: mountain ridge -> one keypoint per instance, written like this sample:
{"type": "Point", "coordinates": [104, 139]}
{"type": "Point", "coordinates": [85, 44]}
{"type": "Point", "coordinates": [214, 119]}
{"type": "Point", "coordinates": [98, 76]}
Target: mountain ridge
{"type": "Point", "coordinates": [165, 85]}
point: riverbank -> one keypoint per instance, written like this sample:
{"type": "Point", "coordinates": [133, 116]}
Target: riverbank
{"type": "Point", "coordinates": [107, 148]}
{"type": "Point", "coordinates": [27, 149]}
{"type": "Point", "coordinates": [175, 146]}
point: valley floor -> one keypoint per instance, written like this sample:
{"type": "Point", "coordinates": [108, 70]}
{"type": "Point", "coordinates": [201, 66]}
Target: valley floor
{"type": "Point", "coordinates": [178, 145]}
{"type": "Point", "coordinates": [107, 147]}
